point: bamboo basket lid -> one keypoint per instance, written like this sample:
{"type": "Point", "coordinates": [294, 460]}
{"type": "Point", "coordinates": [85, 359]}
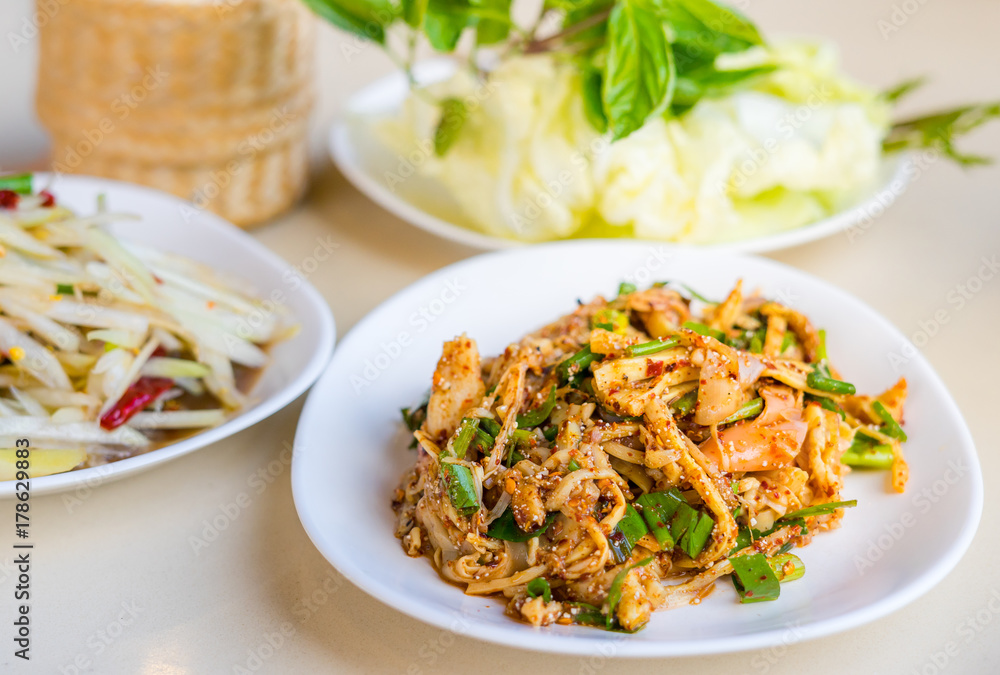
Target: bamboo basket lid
{"type": "Point", "coordinates": [195, 97]}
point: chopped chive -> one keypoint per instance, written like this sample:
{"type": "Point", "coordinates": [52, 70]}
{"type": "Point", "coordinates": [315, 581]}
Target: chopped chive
{"type": "Point", "coordinates": [786, 567]}
{"type": "Point", "coordinates": [864, 454]}
{"type": "Point", "coordinates": [632, 528]}
{"type": "Point", "coordinates": [492, 427]}
{"type": "Point", "coordinates": [658, 509]}
{"type": "Point", "coordinates": [754, 579]}
{"type": "Point", "coordinates": [749, 409]}
{"type": "Point", "coordinates": [685, 518]}
{"type": "Point", "coordinates": [466, 432]}
{"type": "Point", "coordinates": [647, 348]}
{"type": "Point", "coordinates": [482, 441]}
{"type": "Point", "coordinates": [820, 382]}
{"type": "Point", "coordinates": [702, 329]}
{"type": "Point", "coordinates": [827, 404]}
{"type": "Point", "coordinates": [626, 287]}
{"type": "Point", "coordinates": [615, 591]}
{"type": "Point", "coordinates": [551, 433]}
{"type": "Point", "coordinates": [461, 488]}
{"type": "Point", "coordinates": [533, 418]}
{"type": "Point", "coordinates": [573, 465]}
{"type": "Point", "coordinates": [686, 403]}
{"type": "Point", "coordinates": [588, 615]}
{"type": "Point", "coordinates": [891, 427]}
{"type": "Point", "coordinates": [697, 536]}
{"type": "Point", "coordinates": [576, 364]}
{"type": "Point", "coordinates": [818, 510]}
{"type": "Point", "coordinates": [64, 289]}
{"type": "Point", "coordinates": [513, 457]}
{"type": "Point", "coordinates": [539, 586]}
{"type": "Point", "coordinates": [16, 182]}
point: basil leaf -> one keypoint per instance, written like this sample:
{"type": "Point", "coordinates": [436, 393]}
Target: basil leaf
{"type": "Point", "coordinates": [414, 12]}
{"type": "Point", "coordinates": [365, 19]}
{"type": "Point", "coordinates": [639, 74]}
{"type": "Point", "coordinates": [453, 114]}
{"type": "Point", "coordinates": [593, 107]}
{"type": "Point", "coordinates": [444, 23]}
{"type": "Point", "coordinates": [713, 83]}
{"type": "Point", "coordinates": [722, 19]}
{"type": "Point", "coordinates": [490, 29]}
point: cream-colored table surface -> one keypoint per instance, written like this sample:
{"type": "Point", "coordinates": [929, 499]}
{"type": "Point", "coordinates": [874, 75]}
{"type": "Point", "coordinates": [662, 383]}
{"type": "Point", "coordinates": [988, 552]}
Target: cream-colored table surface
{"type": "Point", "coordinates": [119, 589]}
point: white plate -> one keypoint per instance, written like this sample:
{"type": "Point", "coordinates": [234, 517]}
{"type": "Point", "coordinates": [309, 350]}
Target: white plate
{"type": "Point", "coordinates": [351, 449]}
{"type": "Point", "coordinates": [171, 224]}
{"type": "Point", "coordinates": [424, 202]}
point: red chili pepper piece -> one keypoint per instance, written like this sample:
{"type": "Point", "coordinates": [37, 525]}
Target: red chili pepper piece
{"type": "Point", "coordinates": [48, 199]}
{"type": "Point", "coordinates": [136, 398]}
{"type": "Point", "coordinates": [9, 199]}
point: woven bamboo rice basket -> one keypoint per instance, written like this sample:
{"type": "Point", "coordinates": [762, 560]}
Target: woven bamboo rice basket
{"type": "Point", "coordinates": [207, 99]}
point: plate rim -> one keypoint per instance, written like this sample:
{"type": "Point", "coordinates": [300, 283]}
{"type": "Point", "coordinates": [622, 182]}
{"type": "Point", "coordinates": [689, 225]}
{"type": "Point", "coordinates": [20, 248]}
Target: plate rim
{"type": "Point", "coordinates": [342, 151]}
{"type": "Point", "coordinates": [93, 477]}
{"type": "Point", "coordinates": [538, 641]}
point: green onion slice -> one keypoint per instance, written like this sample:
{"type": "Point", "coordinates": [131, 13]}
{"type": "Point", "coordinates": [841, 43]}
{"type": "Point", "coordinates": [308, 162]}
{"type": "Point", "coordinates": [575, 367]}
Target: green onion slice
{"type": "Point", "coordinates": [818, 510]}
{"type": "Point", "coordinates": [507, 529]}
{"type": "Point", "coordinates": [466, 432]}
{"type": "Point", "coordinates": [891, 426]}
{"type": "Point", "coordinates": [533, 418]}
{"type": "Point", "coordinates": [615, 592]}
{"type": "Point", "coordinates": [461, 488]}
{"type": "Point", "coordinates": [539, 586]}
{"type": "Point", "coordinates": [647, 348]}
{"type": "Point", "coordinates": [818, 381]}
{"type": "Point", "coordinates": [754, 579]}
{"type": "Point", "coordinates": [786, 567]}
{"type": "Point", "coordinates": [686, 403]}
{"type": "Point", "coordinates": [576, 364]}
{"type": "Point", "coordinates": [702, 329]}
{"type": "Point", "coordinates": [749, 409]}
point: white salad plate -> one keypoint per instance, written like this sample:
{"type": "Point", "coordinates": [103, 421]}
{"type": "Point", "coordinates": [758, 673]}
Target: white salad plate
{"type": "Point", "coordinates": [351, 451]}
{"type": "Point", "coordinates": [176, 226]}
{"type": "Point", "coordinates": [424, 202]}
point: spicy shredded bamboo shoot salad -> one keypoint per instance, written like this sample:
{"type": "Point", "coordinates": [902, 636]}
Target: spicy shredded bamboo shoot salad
{"type": "Point", "coordinates": [627, 456]}
{"type": "Point", "coordinates": [108, 347]}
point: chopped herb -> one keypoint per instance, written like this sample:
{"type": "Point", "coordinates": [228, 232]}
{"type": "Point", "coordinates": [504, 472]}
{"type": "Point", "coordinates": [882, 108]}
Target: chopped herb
{"type": "Point", "coordinates": [647, 348]}
{"type": "Point", "coordinates": [461, 487]}
{"type": "Point", "coordinates": [754, 579]}
{"type": "Point", "coordinates": [818, 510]}
{"type": "Point", "coordinates": [573, 465]}
{"type": "Point", "coordinates": [702, 329]}
{"type": "Point", "coordinates": [506, 528]}
{"type": "Point", "coordinates": [535, 417]}
{"type": "Point", "coordinates": [815, 380]}
{"type": "Point", "coordinates": [67, 289]}
{"type": "Point", "coordinates": [615, 591]}
{"type": "Point", "coordinates": [786, 567]}
{"type": "Point", "coordinates": [749, 409]}
{"type": "Point", "coordinates": [539, 586]}
{"type": "Point", "coordinates": [891, 426]}
{"type": "Point", "coordinates": [626, 287]}
{"type": "Point", "coordinates": [686, 403]}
